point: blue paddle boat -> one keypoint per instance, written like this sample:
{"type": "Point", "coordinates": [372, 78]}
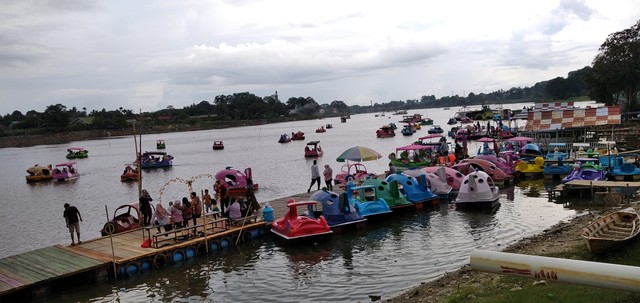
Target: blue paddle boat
{"type": "Point", "coordinates": [416, 190]}
{"type": "Point", "coordinates": [619, 170]}
{"type": "Point", "coordinates": [557, 170]}
{"type": "Point", "coordinates": [156, 160]}
{"type": "Point", "coordinates": [365, 200]}
{"type": "Point", "coordinates": [336, 209]}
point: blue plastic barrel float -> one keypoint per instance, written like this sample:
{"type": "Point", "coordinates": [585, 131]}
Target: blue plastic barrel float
{"type": "Point", "coordinates": [255, 233]}
{"type": "Point", "coordinates": [190, 252]}
{"type": "Point", "coordinates": [159, 259]}
{"type": "Point", "coordinates": [145, 265]}
{"type": "Point", "coordinates": [178, 255]}
{"type": "Point", "coordinates": [132, 269]}
{"type": "Point", "coordinates": [214, 245]}
{"type": "Point", "coordinates": [225, 242]}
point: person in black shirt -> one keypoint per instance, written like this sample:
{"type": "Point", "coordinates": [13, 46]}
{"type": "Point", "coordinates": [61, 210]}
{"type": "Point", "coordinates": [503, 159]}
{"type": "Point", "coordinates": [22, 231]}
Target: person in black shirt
{"type": "Point", "coordinates": [145, 207]}
{"type": "Point", "coordinates": [71, 216]}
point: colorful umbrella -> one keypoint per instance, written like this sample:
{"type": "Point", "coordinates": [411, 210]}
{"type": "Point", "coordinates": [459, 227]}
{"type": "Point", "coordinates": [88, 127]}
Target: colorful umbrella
{"type": "Point", "coordinates": [359, 154]}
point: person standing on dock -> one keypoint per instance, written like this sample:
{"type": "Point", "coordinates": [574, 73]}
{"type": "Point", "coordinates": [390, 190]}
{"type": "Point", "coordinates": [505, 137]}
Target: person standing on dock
{"type": "Point", "coordinates": [145, 206]}
{"type": "Point", "coordinates": [315, 175]}
{"type": "Point", "coordinates": [196, 208]}
{"type": "Point", "coordinates": [328, 177]}
{"type": "Point", "coordinates": [208, 203]}
{"type": "Point", "coordinates": [73, 218]}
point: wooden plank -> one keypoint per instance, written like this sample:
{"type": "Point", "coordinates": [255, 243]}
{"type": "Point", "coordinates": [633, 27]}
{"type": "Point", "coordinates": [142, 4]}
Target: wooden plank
{"type": "Point", "coordinates": [8, 272]}
{"type": "Point", "coordinates": [70, 257]}
{"type": "Point", "coordinates": [20, 271]}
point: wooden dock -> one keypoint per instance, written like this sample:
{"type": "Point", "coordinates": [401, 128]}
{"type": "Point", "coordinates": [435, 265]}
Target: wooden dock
{"type": "Point", "coordinates": [598, 190]}
{"type": "Point", "coordinates": [33, 273]}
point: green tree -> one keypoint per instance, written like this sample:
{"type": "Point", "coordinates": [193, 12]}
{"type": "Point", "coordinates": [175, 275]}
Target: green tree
{"type": "Point", "coordinates": [616, 67]}
{"type": "Point", "coordinates": [56, 116]}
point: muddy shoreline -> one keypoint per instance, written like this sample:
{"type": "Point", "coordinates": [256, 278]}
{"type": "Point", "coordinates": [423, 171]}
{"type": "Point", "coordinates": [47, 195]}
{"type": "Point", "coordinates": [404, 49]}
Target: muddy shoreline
{"type": "Point", "coordinates": [562, 237]}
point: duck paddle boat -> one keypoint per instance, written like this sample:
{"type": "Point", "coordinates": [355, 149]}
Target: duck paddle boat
{"type": "Point", "coordinates": [297, 136]}
{"type": "Point", "coordinates": [477, 191]}
{"type": "Point", "coordinates": [454, 178]}
{"type": "Point", "coordinates": [313, 149]}
{"type": "Point", "coordinates": [557, 151]}
{"type": "Point", "coordinates": [235, 180]}
{"type": "Point", "coordinates": [130, 174]}
{"type": "Point", "coordinates": [284, 138]}
{"type": "Point", "coordinates": [586, 169]}
{"type": "Point", "coordinates": [530, 152]}
{"type": "Point", "coordinates": [529, 169]}
{"type": "Point", "coordinates": [65, 172]}
{"type": "Point", "coordinates": [297, 227]}
{"type": "Point", "coordinates": [156, 160]}
{"type": "Point", "coordinates": [160, 144]}
{"type": "Point", "coordinates": [218, 145]}
{"type": "Point", "coordinates": [125, 218]}
{"type": "Point", "coordinates": [416, 190]}
{"type": "Point", "coordinates": [584, 150]}
{"type": "Point", "coordinates": [336, 209]}
{"type": "Point", "coordinates": [365, 200]}
{"type": "Point", "coordinates": [39, 173]}
{"type": "Point", "coordinates": [619, 169]}
{"type": "Point", "coordinates": [388, 191]}
{"type": "Point", "coordinates": [556, 170]}
{"type": "Point", "coordinates": [77, 153]}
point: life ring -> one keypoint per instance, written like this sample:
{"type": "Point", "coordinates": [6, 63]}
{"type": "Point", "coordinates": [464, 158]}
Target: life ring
{"type": "Point", "coordinates": [225, 243]}
{"type": "Point", "coordinates": [190, 252]}
{"type": "Point", "coordinates": [178, 256]}
{"type": "Point", "coordinates": [348, 178]}
{"type": "Point", "coordinates": [214, 245]}
{"type": "Point", "coordinates": [159, 260]}
{"type": "Point", "coordinates": [109, 228]}
{"type": "Point", "coordinates": [132, 269]}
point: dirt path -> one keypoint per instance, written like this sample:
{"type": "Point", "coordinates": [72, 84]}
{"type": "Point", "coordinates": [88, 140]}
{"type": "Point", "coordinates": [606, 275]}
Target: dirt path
{"type": "Point", "coordinates": [562, 237]}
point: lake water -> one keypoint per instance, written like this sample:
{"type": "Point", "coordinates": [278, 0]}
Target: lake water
{"type": "Point", "coordinates": [382, 260]}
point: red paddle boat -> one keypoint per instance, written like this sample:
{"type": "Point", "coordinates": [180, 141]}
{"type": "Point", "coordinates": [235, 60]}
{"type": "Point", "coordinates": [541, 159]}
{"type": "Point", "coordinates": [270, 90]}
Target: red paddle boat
{"type": "Point", "coordinates": [293, 226]}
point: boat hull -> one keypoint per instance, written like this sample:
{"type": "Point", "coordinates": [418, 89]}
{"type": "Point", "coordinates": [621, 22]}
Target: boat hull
{"type": "Point", "coordinates": [612, 230]}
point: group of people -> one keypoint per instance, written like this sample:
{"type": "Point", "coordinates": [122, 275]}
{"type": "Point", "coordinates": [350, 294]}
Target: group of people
{"type": "Point", "coordinates": [315, 176]}
{"type": "Point", "coordinates": [179, 212]}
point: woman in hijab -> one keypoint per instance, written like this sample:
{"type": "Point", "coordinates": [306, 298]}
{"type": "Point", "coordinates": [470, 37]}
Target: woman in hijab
{"type": "Point", "coordinates": [162, 217]}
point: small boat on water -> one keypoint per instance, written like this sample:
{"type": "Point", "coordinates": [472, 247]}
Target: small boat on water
{"type": "Point", "coordinates": [385, 132]}
{"type": "Point", "coordinates": [39, 173]}
{"type": "Point", "coordinates": [336, 209]}
{"type": "Point", "coordinates": [452, 121]}
{"type": "Point", "coordinates": [530, 169]}
{"type": "Point", "coordinates": [328, 126]}
{"type": "Point", "coordinates": [65, 172]}
{"type": "Point", "coordinates": [612, 230]}
{"type": "Point", "coordinates": [619, 169]}
{"type": "Point", "coordinates": [454, 178]}
{"type": "Point", "coordinates": [218, 145]}
{"type": "Point", "coordinates": [293, 226]}
{"type": "Point", "coordinates": [321, 129]}
{"type": "Point", "coordinates": [236, 181]}
{"type": "Point", "coordinates": [284, 138]}
{"type": "Point", "coordinates": [77, 153]}
{"type": "Point", "coordinates": [156, 160]}
{"type": "Point", "coordinates": [129, 174]}
{"type": "Point", "coordinates": [437, 183]}
{"type": "Point", "coordinates": [467, 166]}
{"type": "Point", "coordinates": [477, 190]}
{"type": "Point", "coordinates": [126, 217]}
{"type": "Point", "coordinates": [557, 170]}
{"type": "Point", "coordinates": [313, 149]}
{"type": "Point", "coordinates": [436, 129]}
{"type": "Point", "coordinates": [297, 136]}
{"type": "Point", "coordinates": [410, 157]}
{"type": "Point", "coordinates": [407, 130]}
{"type": "Point", "coordinates": [160, 144]}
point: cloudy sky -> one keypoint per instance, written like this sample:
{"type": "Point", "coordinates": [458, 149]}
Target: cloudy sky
{"type": "Point", "coordinates": [146, 55]}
